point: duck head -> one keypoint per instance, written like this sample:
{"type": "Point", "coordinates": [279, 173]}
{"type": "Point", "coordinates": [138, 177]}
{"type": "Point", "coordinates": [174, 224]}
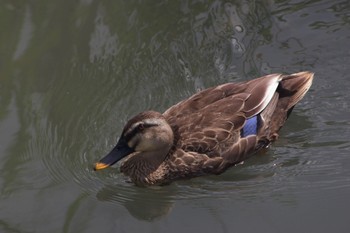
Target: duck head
{"type": "Point", "coordinates": [147, 134]}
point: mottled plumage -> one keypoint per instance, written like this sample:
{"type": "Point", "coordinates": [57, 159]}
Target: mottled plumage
{"type": "Point", "coordinates": [208, 132]}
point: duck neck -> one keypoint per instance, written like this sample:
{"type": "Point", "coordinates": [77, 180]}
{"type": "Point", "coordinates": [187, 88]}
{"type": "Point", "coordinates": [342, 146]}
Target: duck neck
{"type": "Point", "coordinates": [144, 167]}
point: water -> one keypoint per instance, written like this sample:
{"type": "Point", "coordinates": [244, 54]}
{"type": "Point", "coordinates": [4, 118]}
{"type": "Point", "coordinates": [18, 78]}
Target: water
{"type": "Point", "coordinates": [72, 73]}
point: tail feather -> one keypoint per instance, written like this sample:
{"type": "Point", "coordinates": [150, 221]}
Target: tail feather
{"type": "Point", "coordinates": [290, 91]}
{"type": "Point", "coordinates": [295, 86]}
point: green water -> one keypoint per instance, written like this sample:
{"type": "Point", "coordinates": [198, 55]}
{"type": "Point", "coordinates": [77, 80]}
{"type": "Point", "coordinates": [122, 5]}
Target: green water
{"type": "Point", "coordinates": [73, 72]}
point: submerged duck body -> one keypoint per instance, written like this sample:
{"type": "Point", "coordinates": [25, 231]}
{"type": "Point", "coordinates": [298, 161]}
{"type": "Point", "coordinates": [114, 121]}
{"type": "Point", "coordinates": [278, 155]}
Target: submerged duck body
{"type": "Point", "coordinates": [209, 132]}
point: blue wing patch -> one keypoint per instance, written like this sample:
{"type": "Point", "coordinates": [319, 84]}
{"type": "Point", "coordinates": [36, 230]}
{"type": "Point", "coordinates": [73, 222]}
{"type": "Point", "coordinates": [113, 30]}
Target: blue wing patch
{"type": "Point", "coordinates": [250, 127]}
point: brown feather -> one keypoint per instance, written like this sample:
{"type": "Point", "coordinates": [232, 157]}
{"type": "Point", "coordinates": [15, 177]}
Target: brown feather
{"type": "Point", "coordinates": [207, 128]}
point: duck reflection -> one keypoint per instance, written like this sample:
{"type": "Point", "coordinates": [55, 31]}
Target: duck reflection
{"type": "Point", "coordinates": [144, 204]}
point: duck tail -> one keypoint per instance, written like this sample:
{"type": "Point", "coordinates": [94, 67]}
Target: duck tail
{"type": "Point", "coordinates": [293, 87]}
{"type": "Point", "coordinates": [290, 91]}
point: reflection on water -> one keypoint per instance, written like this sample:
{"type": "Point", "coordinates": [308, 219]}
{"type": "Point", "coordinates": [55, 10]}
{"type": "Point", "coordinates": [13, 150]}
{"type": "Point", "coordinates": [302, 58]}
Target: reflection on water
{"type": "Point", "coordinates": [144, 204]}
{"type": "Point", "coordinates": [69, 80]}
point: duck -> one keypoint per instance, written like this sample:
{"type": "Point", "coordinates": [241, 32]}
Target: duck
{"type": "Point", "coordinates": [211, 131]}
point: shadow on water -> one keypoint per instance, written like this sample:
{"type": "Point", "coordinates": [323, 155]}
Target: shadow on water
{"type": "Point", "coordinates": [256, 179]}
{"type": "Point", "coordinates": [142, 203]}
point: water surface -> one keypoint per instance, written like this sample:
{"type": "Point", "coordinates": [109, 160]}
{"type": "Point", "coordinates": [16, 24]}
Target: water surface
{"type": "Point", "coordinates": [72, 73]}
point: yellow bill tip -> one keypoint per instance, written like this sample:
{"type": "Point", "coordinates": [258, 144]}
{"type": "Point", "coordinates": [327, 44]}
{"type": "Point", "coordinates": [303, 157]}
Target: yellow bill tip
{"type": "Point", "coordinates": [100, 166]}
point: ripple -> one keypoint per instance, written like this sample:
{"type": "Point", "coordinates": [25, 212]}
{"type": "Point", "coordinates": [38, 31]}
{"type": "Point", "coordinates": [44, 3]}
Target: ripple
{"type": "Point", "coordinates": [111, 186]}
{"type": "Point", "coordinates": [47, 145]}
{"type": "Point", "coordinates": [290, 167]}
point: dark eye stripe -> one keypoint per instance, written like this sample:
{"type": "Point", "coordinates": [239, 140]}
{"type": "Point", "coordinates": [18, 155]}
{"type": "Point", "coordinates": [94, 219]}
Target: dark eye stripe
{"type": "Point", "coordinates": [136, 128]}
{"type": "Point", "coordinates": [130, 133]}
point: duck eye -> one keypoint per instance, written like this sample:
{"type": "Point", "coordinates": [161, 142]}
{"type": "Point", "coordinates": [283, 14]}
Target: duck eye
{"type": "Point", "coordinates": [140, 126]}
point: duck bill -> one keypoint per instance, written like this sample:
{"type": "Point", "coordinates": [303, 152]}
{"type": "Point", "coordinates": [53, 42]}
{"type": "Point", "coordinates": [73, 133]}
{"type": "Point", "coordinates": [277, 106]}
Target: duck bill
{"type": "Point", "coordinates": [119, 151]}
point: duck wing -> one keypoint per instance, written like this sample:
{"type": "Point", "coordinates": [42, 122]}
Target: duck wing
{"type": "Point", "coordinates": [260, 90]}
{"type": "Point", "coordinates": [213, 121]}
